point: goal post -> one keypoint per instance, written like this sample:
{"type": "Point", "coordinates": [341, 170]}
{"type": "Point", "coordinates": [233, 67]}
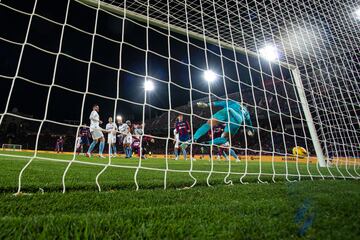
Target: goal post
{"type": "Point", "coordinates": [310, 123]}
{"type": "Point", "coordinates": [11, 147]}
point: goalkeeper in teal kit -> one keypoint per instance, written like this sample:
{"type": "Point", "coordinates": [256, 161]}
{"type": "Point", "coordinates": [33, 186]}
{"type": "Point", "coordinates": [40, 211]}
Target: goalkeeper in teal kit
{"type": "Point", "coordinates": [232, 113]}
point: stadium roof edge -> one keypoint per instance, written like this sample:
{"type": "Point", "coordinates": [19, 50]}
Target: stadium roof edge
{"type": "Point", "coordinates": [152, 21]}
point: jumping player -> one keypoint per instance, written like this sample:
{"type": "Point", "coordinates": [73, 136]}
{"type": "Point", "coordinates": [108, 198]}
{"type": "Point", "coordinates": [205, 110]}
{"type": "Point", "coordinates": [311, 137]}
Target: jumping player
{"type": "Point", "coordinates": [233, 113]}
{"type": "Point", "coordinates": [96, 132]}
{"type": "Point", "coordinates": [125, 130]}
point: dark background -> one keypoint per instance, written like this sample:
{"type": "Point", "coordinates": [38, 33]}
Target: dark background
{"type": "Point", "coordinates": [60, 84]}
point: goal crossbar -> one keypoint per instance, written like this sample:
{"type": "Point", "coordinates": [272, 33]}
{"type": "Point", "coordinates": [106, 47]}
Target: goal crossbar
{"type": "Point", "coordinates": [158, 23]}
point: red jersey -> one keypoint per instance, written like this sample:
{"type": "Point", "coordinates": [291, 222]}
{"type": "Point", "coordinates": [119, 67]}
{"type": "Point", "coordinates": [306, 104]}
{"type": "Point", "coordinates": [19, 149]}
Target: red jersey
{"type": "Point", "coordinates": [217, 131]}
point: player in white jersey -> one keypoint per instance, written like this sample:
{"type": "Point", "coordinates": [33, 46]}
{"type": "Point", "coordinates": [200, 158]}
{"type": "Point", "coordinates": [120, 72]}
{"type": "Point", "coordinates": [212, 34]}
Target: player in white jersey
{"type": "Point", "coordinates": [78, 143]}
{"type": "Point", "coordinates": [125, 130]}
{"type": "Point", "coordinates": [111, 129]}
{"type": "Point", "coordinates": [96, 132]}
{"type": "Point", "coordinates": [176, 144]}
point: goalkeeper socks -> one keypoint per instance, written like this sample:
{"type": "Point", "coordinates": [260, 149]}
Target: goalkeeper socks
{"type": "Point", "coordinates": [219, 141]}
{"type": "Point", "coordinates": [201, 131]}
{"type": "Point", "coordinates": [93, 144]}
{"type": "Point", "coordinates": [101, 147]}
{"type": "Point", "coordinates": [110, 149]}
{"type": "Point", "coordinates": [232, 153]}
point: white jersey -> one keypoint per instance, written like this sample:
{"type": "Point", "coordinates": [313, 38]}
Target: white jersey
{"type": "Point", "coordinates": [94, 121]}
{"type": "Point", "coordinates": [111, 127]}
{"type": "Point", "coordinates": [177, 140]}
{"type": "Point", "coordinates": [78, 142]}
{"type": "Point", "coordinates": [124, 129]}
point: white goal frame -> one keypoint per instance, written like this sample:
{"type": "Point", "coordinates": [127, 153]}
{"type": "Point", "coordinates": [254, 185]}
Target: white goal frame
{"type": "Point", "coordinates": [11, 147]}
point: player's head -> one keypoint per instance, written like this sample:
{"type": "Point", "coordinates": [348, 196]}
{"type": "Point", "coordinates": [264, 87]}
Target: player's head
{"type": "Point", "coordinates": [128, 122]}
{"type": "Point", "coordinates": [110, 120]}
{"type": "Point", "coordinates": [180, 117]}
{"type": "Point", "coordinates": [96, 107]}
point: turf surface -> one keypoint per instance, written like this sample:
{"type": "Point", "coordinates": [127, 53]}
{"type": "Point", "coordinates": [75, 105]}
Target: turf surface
{"type": "Point", "coordinates": [326, 209]}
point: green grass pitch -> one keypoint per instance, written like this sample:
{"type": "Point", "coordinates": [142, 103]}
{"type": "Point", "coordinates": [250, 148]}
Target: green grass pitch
{"type": "Point", "coordinates": [319, 209]}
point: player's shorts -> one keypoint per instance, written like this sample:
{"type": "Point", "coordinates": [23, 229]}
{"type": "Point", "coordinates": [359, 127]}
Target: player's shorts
{"type": "Point", "coordinates": [127, 139]}
{"type": "Point", "coordinates": [184, 138]}
{"type": "Point", "coordinates": [111, 138]}
{"type": "Point", "coordinates": [84, 140]}
{"type": "Point", "coordinates": [97, 134]}
{"type": "Point", "coordinates": [176, 144]}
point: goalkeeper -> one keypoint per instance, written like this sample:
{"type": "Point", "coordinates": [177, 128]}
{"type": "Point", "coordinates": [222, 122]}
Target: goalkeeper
{"type": "Point", "coordinates": [233, 113]}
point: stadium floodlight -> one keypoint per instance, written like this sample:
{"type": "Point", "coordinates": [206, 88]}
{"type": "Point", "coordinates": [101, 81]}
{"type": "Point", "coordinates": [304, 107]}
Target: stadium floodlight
{"type": "Point", "coordinates": [119, 118]}
{"type": "Point", "coordinates": [149, 85]}
{"type": "Point", "coordinates": [269, 52]}
{"type": "Point", "coordinates": [357, 13]}
{"type": "Point", "coordinates": [209, 76]}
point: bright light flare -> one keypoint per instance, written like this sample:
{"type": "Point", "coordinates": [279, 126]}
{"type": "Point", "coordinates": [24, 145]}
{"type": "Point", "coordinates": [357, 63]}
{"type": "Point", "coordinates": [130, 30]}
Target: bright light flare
{"type": "Point", "coordinates": [269, 52]}
{"type": "Point", "coordinates": [209, 76]}
{"type": "Point", "coordinates": [357, 13]}
{"type": "Point", "coordinates": [149, 85]}
{"type": "Point", "coordinates": [119, 118]}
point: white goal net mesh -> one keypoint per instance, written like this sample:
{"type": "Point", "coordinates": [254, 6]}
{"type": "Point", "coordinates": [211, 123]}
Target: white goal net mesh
{"type": "Point", "coordinates": [268, 90]}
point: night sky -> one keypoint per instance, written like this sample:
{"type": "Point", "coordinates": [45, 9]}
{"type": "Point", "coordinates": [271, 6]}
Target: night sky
{"type": "Point", "coordinates": [72, 67]}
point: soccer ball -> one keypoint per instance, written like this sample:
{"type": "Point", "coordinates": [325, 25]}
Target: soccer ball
{"type": "Point", "coordinates": [299, 151]}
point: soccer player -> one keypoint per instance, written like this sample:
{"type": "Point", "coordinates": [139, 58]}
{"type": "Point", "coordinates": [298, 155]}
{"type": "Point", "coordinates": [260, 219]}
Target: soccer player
{"type": "Point", "coordinates": [146, 140]}
{"type": "Point", "coordinates": [111, 128]}
{"type": "Point", "coordinates": [216, 132]}
{"type": "Point", "coordinates": [78, 144]}
{"type": "Point", "coordinates": [59, 145]}
{"type": "Point", "coordinates": [176, 144]}
{"type": "Point", "coordinates": [135, 145]}
{"type": "Point", "coordinates": [125, 130]}
{"type": "Point", "coordinates": [84, 139]}
{"type": "Point", "coordinates": [182, 127]}
{"type": "Point", "coordinates": [96, 132]}
{"type": "Point", "coordinates": [233, 113]}
{"type": "Point", "coordinates": [202, 151]}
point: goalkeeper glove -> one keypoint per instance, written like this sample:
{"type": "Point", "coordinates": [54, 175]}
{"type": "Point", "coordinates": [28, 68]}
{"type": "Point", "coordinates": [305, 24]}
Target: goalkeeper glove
{"type": "Point", "coordinates": [202, 105]}
{"type": "Point", "coordinates": [250, 133]}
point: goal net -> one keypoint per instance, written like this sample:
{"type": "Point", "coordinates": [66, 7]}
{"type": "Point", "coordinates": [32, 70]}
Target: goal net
{"type": "Point", "coordinates": [254, 90]}
{"type": "Point", "coordinates": [11, 147]}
